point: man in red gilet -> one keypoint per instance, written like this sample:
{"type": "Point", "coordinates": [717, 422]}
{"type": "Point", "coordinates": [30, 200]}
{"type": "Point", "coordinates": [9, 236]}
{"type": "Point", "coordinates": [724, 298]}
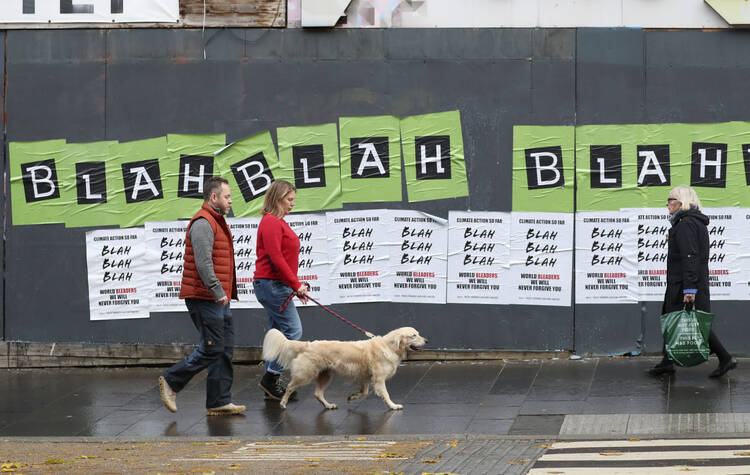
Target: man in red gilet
{"type": "Point", "coordinates": [208, 283]}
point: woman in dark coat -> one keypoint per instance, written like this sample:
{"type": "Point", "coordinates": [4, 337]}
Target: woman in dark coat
{"type": "Point", "coordinates": [687, 271]}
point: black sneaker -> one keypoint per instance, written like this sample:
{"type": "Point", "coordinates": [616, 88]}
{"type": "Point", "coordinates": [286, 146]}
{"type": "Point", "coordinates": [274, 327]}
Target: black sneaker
{"type": "Point", "coordinates": [273, 388]}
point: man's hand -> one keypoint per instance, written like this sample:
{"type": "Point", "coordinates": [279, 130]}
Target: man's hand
{"type": "Point", "coordinates": [223, 301]}
{"type": "Point", "coordinates": [689, 298]}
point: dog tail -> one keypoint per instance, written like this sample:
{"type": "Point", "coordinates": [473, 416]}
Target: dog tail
{"type": "Point", "coordinates": [277, 347]}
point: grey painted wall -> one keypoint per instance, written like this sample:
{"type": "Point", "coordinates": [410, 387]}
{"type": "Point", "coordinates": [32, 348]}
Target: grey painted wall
{"type": "Point", "coordinates": [87, 85]}
{"type": "Point", "coordinates": [2, 198]}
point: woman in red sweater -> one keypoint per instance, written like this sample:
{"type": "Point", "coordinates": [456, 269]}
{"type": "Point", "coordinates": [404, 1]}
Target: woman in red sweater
{"type": "Point", "coordinates": [277, 259]}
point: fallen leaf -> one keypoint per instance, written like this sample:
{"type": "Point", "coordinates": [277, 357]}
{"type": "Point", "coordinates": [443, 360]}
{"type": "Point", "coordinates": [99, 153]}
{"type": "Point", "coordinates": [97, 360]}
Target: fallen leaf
{"type": "Point", "coordinates": [361, 438]}
{"type": "Point", "coordinates": [633, 439]}
{"type": "Point", "coordinates": [687, 469]}
{"type": "Point", "coordinates": [520, 462]}
{"type": "Point", "coordinates": [610, 452]}
{"type": "Point", "coordinates": [744, 454]}
{"type": "Point", "coordinates": [453, 443]}
{"type": "Point", "coordinates": [389, 455]}
{"type": "Point", "coordinates": [234, 466]}
{"type": "Point", "coordinates": [429, 461]}
{"type": "Point", "coordinates": [543, 446]}
{"type": "Point", "coordinates": [315, 460]}
{"type": "Point", "coordinates": [86, 457]}
{"type": "Point", "coordinates": [9, 467]}
{"type": "Point", "coordinates": [54, 461]}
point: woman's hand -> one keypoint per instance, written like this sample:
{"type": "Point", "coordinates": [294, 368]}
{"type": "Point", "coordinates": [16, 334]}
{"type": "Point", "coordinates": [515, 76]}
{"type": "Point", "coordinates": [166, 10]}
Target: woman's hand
{"type": "Point", "coordinates": [302, 293]}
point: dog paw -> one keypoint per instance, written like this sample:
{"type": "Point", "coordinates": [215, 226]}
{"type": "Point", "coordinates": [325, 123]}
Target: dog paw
{"type": "Point", "coordinates": [332, 406]}
{"type": "Point", "coordinates": [282, 405]}
{"type": "Point", "coordinates": [353, 397]}
{"type": "Point", "coordinates": [397, 407]}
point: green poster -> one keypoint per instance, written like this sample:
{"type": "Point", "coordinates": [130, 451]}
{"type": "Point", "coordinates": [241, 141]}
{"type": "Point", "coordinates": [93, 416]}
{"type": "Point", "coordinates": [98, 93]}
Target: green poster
{"type": "Point", "coordinates": [370, 150]}
{"type": "Point", "coordinates": [543, 165]}
{"type": "Point", "coordinates": [434, 156]}
{"type": "Point", "coordinates": [705, 145]}
{"type": "Point", "coordinates": [35, 183]}
{"type": "Point", "coordinates": [140, 166]}
{"type": "Point", "coordinates": [88, 183]}
{"type": "Point", "coordinates": [633, 166]}
{"type": "Point", "coordinates": [309, 159]}
{"type": "Point", "coordinates": [191, 162]}
{"type": "Point", "coordinates": [250, 165]}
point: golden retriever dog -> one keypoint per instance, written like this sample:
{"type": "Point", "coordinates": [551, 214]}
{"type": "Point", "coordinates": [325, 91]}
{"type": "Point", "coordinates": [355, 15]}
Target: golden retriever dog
{"type": "Point", "coordinates": [367, 362]}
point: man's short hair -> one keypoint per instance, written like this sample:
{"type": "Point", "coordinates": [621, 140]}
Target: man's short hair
{"type": "Point", "coordinates": [213, 185]}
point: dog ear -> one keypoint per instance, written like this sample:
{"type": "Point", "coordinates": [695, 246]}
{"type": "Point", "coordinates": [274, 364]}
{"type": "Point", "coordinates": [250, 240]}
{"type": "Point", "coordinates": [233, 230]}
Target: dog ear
{"type": "Point", "coordinates": [396, 340]}
{"type": "Point", "coordinates": [403, 341]}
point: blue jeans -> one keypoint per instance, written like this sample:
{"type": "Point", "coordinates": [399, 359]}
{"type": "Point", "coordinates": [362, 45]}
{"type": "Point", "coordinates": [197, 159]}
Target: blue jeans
{"type": "Point", "coordinates": [271, 294]}
{"type": "Point", "coordinates": [215, 351]}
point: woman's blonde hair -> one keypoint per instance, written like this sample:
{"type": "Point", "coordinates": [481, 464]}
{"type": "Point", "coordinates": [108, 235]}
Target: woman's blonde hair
{"type": "Point", "coordinates": [687, 197]}
{"type": "Point", "coordinates": [276, 192]}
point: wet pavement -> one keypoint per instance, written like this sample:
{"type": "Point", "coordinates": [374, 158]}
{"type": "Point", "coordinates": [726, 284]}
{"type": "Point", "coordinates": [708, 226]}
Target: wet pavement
{"type": "Point", "coordinates": [533, 398]}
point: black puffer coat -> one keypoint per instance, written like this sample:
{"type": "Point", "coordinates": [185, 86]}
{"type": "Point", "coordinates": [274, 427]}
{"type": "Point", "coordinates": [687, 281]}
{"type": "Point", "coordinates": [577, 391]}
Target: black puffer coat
{"type": "Point", "coordinates": [687, 261]}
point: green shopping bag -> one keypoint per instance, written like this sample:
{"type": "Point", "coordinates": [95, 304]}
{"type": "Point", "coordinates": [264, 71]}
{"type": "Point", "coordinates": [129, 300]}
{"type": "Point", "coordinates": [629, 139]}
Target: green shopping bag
{"type": "Point", "coordinates": [686, 336]}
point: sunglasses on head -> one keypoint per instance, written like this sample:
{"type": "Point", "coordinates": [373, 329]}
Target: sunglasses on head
{"type": "Point", "coordinates": [671, 199]}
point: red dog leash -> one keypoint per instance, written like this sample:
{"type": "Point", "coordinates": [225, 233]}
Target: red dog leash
{"type": "Point", "coordinates": [291, 296]}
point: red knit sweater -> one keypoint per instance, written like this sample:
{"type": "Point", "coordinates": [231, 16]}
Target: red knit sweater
{"type": "Point", "coordinates": [277, 251]}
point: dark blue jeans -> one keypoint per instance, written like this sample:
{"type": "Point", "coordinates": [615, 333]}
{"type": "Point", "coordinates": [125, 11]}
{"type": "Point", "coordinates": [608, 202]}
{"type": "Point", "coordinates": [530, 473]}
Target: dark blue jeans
{"type": "Point", "coordinates": [271, 294]}
{"type": "Point", "coordinates": [215, 351]}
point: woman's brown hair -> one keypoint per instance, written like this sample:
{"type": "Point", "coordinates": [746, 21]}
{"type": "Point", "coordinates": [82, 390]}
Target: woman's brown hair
{"type": "Point", "coordinates": [272, 202]}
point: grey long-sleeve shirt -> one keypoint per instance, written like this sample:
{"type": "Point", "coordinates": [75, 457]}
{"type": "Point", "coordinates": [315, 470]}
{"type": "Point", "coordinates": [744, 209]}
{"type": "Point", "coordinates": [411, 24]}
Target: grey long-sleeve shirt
{"type": "Point", "coordinates": [202, 238]}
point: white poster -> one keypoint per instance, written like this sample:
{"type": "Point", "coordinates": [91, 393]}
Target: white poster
{"type": "Point", "coordinates": [541, 255]}
{"type": "Point", "coordinates": [725, 237]}
{"type": "Point", "coordinates": [314, 264]}
{"type": "Point", "coordinates": [359, 255]}
{"type": "Point", "coordinates": [89, 11]}
{"type": "Point", "coordinates": [418, 256]}
{"type": "Point", "coordinates": [743, 255]}
{"type": "Point", "coordinates": [606, 257]}
{"type": "Point", "coordinates": [116, 262]}
{"type": "Point", "coordinates": [244, 234]}
{"type": "Point", "coordinates": [478, 257]}
{"type": "Point", "coordinates": [165, 248]}
{"type": "Point", "coordinates": [652, 228]}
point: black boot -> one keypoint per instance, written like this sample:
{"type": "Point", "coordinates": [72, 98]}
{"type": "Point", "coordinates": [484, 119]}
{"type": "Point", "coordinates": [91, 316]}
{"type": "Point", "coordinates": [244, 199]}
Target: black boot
{"type": "Point", "coordinates": [662, 368]}
{"type": "Point", "coordinates": [724, 367]}
{"type": "Point", "coordinates": [273, 388]}
{"type": "Point", "coordinates": [726, 361]}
